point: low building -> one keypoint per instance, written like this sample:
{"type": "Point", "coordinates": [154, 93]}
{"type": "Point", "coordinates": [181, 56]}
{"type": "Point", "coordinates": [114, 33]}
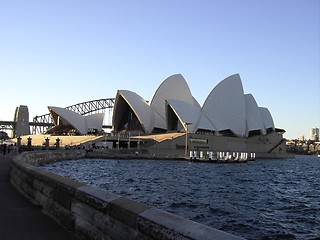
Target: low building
{"type": "Point", "coordinates": [314, 134]}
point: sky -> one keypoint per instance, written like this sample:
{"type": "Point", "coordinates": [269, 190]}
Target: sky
{"type": "Point", "coordinates": [64, 52]}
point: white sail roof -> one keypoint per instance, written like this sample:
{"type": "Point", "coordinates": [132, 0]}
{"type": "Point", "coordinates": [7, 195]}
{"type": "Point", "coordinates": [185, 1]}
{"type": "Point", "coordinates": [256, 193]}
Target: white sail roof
{"type": "Point", "coordinates": [95, 121]}
{"type": "Point", "coordinates": [226, 109]}
{"type": "Point", "coordinates": [138, 105]}
{"type": "Point", "coordinates": [267, 118]}
{"type": "Point", "coordinates": [253, 115]}
{"type": "Point", "coordinates": [174, 87]}
{"type": "Point", "coordinates": [79, 122]}
{"type": "Point", "coordinates": [225, 106]}
{"type": "Point", "coordinates": [187, 114]}
{"type": "Point", "coordinates": [204, 123]}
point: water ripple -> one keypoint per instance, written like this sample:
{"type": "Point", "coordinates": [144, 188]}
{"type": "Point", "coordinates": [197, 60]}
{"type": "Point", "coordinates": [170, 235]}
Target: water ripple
{"type": "Point", "coordinates": [264, 199]}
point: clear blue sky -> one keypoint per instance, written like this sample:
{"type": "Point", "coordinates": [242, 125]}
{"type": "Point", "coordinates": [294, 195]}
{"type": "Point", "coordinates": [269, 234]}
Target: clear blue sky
{"type": "Point", "coordinates": [63, 52]}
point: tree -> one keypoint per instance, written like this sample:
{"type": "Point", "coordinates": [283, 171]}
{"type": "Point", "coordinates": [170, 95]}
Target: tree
{"type": "Point", "coordinates": [4, 135]}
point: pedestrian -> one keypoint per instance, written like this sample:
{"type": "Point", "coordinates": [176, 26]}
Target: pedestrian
{"type": "Point", "coordinates": [4, 149]}
{"type": "Point", "coordinates": [10, 148]}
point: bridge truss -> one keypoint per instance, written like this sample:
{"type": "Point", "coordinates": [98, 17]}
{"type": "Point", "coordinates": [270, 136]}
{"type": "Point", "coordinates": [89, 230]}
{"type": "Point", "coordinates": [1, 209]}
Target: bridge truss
{"type": "Point", "coordinates": [43, 122]}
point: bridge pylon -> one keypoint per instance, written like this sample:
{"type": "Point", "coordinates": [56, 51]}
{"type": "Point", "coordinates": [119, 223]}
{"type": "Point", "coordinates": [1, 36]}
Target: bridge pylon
{"type": "Point", "coordinates": [21, 119]}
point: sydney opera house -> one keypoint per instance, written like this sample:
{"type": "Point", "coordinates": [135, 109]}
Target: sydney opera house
{"type": "Point", "coordinates": [173, 122]}
{"type": "Point", "coordinates": [227, 110]}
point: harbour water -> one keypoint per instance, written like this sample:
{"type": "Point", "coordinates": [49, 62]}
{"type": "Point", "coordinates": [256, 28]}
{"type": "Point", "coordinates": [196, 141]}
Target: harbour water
{"type": "Point", "coordinates": [262, 199]}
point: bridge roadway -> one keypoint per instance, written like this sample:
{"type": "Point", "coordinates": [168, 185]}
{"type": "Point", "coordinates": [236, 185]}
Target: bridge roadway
{"type": "Point", "coordinates": [19, 218]}
{"type": "Point", "coordinates": [4, 124]}
{"type": "Point", "coordinates": [40, 124]}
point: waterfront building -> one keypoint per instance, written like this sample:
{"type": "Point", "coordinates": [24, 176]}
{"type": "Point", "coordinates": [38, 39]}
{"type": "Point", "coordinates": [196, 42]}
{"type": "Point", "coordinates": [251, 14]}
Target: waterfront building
{"type": "Point", "coordinates": [301, 138]}
{"type": "Point", "coordinates": [314, 134]}
{"type": "Point", "coordinates": [227, 110]}
{"type": "Point", "coordinates": [173, 123]}
{"type": "Point", "coordinates": [229, 121]}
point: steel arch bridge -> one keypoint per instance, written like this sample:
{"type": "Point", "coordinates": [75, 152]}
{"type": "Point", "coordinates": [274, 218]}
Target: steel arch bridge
{"type": "Point", "coordinates": [43, 122]}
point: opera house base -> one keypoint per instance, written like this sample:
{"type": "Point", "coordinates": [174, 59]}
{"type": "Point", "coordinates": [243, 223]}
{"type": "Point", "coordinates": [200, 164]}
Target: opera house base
{"type": "Point", "coordinates": [174, 145]}
{"type": "Point", "coordinates": [203, 147]}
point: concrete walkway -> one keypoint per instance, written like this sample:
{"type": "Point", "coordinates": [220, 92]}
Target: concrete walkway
{"type": "Point", "coordinates": [19, 219]}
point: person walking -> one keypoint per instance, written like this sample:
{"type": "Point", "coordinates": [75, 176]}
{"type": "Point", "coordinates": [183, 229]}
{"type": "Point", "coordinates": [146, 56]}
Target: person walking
{"type": "Point", "coordinates": [4, 149]}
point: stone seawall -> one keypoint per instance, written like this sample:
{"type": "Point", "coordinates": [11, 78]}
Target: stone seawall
{"type": "Point", "coordinates": [91, 213]}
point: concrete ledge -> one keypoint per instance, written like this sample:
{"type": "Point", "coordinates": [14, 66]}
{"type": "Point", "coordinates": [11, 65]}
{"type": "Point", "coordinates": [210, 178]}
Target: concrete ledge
{"type": "Point", "coordinates": [158, 223]}
{"type": "Point", "coordinates": [126, 211]}
{"type": "Point", "coordinates": [91, 213]}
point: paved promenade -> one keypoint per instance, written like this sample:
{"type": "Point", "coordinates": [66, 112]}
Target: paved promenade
{"type": "Point", "coordinates": [19, 219]}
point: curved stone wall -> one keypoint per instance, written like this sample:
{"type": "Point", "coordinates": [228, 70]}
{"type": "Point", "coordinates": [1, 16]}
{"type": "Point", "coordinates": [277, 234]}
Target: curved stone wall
{"type": "Point", "coordinates": [91, 213]}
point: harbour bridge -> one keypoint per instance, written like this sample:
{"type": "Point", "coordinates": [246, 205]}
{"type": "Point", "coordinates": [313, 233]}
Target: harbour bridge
{"type": "Point", "coordinates": [42, 123]}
